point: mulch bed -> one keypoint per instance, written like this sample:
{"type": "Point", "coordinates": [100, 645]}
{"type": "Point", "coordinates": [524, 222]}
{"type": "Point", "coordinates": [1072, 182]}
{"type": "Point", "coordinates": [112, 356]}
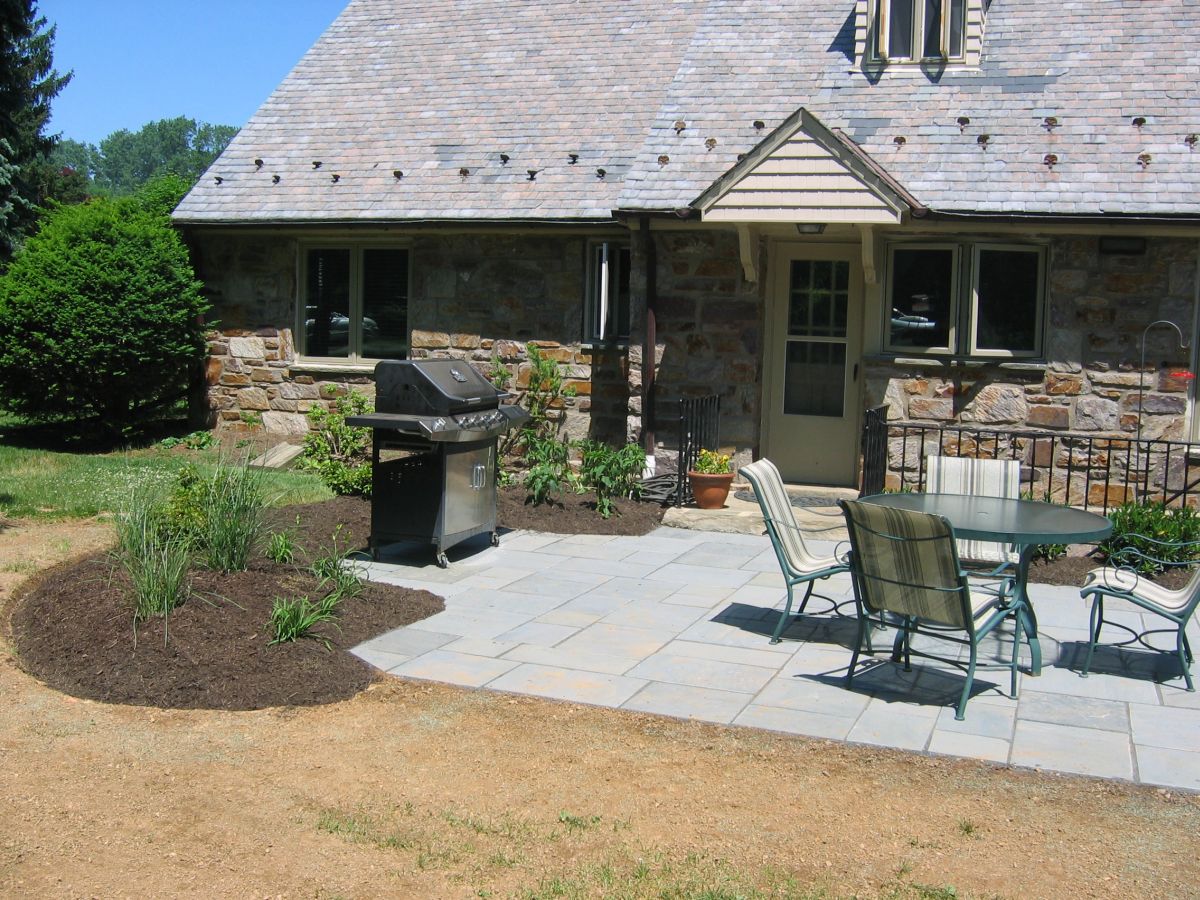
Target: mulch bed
{"type": "Point", "coordinates": [72, 627]}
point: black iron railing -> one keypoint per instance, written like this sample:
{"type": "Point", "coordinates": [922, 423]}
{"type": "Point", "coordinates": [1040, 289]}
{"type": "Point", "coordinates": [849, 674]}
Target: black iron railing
{"type": "Point", "coordinates": [1085, 471]}
{"type": "Point", "coordinates": [699, 429]}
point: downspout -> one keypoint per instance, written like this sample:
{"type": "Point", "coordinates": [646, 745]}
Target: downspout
{"type": "Point", "coordinates": [649, 340]}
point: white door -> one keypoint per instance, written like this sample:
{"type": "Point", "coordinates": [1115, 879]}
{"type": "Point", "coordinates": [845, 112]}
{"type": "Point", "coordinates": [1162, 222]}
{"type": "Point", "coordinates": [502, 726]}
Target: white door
{"type": "Point", "coordinates": [814, 342]}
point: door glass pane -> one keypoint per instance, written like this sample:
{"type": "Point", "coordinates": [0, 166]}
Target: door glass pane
{"type": "Point", "coordinates": [819, 298]}
{"type": "Point", "coordinates": [922, 286]}
{"type": "Point", "coordinates": [326, 320]}
{"type": "Point", "coordinates": [1007, 296]}
{"type": "Point", "coordinates": [814, 379]}
{"type": "Point", "coordinates": [385, 304]}
{"type": "Point", "coordinates": [900, 29]}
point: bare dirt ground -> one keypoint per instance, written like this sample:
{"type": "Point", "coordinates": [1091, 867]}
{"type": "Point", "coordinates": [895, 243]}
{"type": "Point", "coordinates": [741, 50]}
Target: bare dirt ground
{"type": "Point", "coordinates": [418, 790]}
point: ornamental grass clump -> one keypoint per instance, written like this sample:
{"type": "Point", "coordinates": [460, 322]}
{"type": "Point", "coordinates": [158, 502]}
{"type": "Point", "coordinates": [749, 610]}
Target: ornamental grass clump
{"type": "Point", "coordinates": [232, 506]}
{"type": "Point", "coordinates": [154, 556]}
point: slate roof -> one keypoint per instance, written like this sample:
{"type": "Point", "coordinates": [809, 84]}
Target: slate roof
{"type": "Point", "coordinates": [430, 88]}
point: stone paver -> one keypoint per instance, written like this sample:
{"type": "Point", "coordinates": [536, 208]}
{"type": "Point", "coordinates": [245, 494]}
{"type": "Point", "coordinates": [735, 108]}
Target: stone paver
{"type": "Point", "coordinates": [678, 623]}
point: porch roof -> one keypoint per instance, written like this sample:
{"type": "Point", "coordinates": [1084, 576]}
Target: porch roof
{"type": "Point", "coordinates": [440, 109]}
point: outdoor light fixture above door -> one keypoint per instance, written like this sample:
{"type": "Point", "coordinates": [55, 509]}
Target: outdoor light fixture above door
{"type": "Point", "coordinates": [810, 227]}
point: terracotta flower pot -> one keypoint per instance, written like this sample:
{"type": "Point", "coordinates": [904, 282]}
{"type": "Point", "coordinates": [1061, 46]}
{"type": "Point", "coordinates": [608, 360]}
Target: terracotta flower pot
{"type": "Point", "coordinates": [710, 491]}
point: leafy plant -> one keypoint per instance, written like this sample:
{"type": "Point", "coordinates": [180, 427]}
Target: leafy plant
{"type": "Point", "coordinates": [250, 418]}
{"type": "Point", "coordinates": [339, 453]}
{"type": "Point", "coordinates": [498, 374]}
{"type": "Point", "coordinates": [549, 471]}
{"type": "Point", "coordinates": [331, 569]}
{"type": "Point", "coordinates": [281, 548]}
{"type": "Point", "coordinates": [610, 472]}
{"type": "Point", "coordinates": [544, 394]}
{"type": "Point", "coordinates": [295, 618]}
{"type": "Point", "coordinates": [155, 558]}
{"type": "Point", "coordinates": [100, 317]}
{"type": "Point", "coordinates": [197, 440]}
{"type": "Point", "coordinates": [1143, 530]}
{"type": "Point", "coordinates": [710, 462]}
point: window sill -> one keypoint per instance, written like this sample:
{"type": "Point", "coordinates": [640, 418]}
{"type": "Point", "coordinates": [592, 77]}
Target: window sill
{"type": "Point", "coordinates": [622, 344]}
{"type": "Point", "coordinates": [314, 367]}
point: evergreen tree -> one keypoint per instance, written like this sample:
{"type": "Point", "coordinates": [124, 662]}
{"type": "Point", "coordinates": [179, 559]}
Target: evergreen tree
{"type": "Point", "coordinates": [28, 83]}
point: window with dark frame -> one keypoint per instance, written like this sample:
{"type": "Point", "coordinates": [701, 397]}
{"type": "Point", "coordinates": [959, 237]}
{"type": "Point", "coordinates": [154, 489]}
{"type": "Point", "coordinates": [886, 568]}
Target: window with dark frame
{"type": "Point", "coordinates": [606, 299]}
{"type": "Point", "coordinates": [355, 303]}
{"type": "Point", "coordinates": [966, 299]}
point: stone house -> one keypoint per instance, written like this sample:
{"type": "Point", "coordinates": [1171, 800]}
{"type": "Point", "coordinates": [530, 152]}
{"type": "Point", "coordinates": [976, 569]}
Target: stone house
{"type": "Point", "coordinates": [968, 210]}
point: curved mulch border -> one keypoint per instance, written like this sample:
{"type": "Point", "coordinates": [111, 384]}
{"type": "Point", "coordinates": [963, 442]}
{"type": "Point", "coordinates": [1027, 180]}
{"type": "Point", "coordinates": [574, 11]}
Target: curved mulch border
{"type": "Point", "coordinates": [72, 626]}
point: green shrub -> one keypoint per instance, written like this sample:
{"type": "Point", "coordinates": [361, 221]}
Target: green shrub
{"type": "Point", "coordinates": [549, 472]}
{"type": "Point", "coordinates": [100, 316]}
{"type": "Point", "coordinates": [218, 515]}
{"type": "Point", "coordinates": [281, 548]}
{"type": "Point", "coordinates": [155, 557]}
{"type": "Point", "coordinates": [1133, 523]}
{"type": "Point", "coordinates": [611, 473]}
{"type": "Point", "coordinates": [337, 452]}
{"type": "Point", "coordinates": [295, 618]}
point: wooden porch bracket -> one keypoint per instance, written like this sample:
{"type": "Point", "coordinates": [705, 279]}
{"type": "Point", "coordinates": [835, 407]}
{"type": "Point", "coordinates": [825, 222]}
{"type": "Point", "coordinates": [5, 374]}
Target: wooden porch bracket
{"type": "Point", "coordinates": [747, 247]}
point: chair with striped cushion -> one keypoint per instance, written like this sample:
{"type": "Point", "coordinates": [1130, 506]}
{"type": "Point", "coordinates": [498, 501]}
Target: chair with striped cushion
{"type": "Point", "coordinates": [798, 563]}
{"type": "Point", "coordinates": [906, 563]}
{"type": "Point", "coordinates": [981, 478]}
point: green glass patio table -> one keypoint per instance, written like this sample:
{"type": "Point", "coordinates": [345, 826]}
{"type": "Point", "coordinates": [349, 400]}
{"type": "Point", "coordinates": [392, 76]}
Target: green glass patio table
{"type": "Point", "coordinates": [1025, 523]}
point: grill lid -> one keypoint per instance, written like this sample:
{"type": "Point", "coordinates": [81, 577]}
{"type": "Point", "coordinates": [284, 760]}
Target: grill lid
{"type": "Point", "coordinates": [432, 387]}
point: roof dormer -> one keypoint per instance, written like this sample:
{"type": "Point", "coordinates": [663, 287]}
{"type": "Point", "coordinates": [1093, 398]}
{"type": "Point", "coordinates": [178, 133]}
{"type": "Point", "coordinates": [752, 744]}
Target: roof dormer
{"type": "Point", "coordinates": [918, 33]}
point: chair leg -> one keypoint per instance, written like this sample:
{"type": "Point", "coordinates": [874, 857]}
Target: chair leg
{"type": "Point", "coordinates": [862, 630]}
{"type": "Point", "coordinates": [807, 594]}
{"type": "Point", "coordinates": [898, 643]}
{"type": "Point", "coordinates": [1187, 648]}
{"type": "Point", "coordinates": [787, 612]}
{"type": "Point", "coordinates": [1184, 659]}
{"type": "Point", "coordinates": [961, 712]}
{"type": "Point", "coordinates": [1016, 654]}
{"type": "Point", "coordinates": [1097, 619]}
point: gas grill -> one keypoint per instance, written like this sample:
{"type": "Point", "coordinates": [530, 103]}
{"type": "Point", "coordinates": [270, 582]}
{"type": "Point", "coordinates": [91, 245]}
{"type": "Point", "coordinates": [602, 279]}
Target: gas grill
{"type": "Point", "coordinates": [433, 457]}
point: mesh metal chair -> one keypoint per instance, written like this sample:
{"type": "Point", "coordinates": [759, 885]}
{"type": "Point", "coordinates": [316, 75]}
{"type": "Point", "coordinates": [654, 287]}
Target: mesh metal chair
{"type": "Point", "coordinates": [1124, 582]}
{"type": "Point", "coordinates": [798, 564]}
{"type": "Point", "coordinates": [906, 563]}
{"type": "Point", "coordinates": [981, 478]}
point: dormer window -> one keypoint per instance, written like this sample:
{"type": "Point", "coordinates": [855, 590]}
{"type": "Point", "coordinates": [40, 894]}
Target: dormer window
{"type": "Point", "coordinates": [920, 29]}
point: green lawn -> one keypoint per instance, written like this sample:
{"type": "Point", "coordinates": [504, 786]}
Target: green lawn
{"type": "Point", "coordinates": [49, 484]}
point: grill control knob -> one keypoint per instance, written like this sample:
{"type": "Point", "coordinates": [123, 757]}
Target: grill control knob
{"type": "Point", "coordinates": [439, 424]}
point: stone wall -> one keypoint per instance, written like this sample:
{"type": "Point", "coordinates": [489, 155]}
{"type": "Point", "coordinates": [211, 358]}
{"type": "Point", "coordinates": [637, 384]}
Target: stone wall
{"type": "Point", "coordinates": [1098, 308]}
{"type": "Point", "coordinates": [478, 297]}
{"type": "Point", "coordinates": [709, 330]}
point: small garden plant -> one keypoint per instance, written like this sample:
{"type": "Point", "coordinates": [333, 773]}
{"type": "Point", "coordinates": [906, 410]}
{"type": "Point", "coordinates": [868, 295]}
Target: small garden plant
{"type": "Point", "coordinates": [1144, 528]}
{"type": "Point", "coordinates": [155, 557]}
{"type": "Point", "coordinates": [710, 462]}
{"type": "Point", "coordinates": [611, 472]}
{"type": "Point", "coordinates": [295, 618]}
{"type": "Point", "coordinates": [549, 472]}
{"type": "Point", "coordinates": [339, 453]}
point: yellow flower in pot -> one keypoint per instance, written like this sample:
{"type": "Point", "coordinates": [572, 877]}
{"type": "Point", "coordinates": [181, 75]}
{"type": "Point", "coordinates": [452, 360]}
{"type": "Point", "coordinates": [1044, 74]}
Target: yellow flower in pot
{"type": "Point", "coordinates": [710, 479]}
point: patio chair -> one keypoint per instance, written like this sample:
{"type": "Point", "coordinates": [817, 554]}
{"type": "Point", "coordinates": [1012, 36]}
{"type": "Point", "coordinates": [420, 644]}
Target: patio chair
{"type": "Point", "coordinates": [798, 564]}
{"type": "Point", "coordinates": [906, 563]}
{"type": "Point", "coordinates": [1123, 582]}
{"type": "Point", "coordinates": [983, 478]}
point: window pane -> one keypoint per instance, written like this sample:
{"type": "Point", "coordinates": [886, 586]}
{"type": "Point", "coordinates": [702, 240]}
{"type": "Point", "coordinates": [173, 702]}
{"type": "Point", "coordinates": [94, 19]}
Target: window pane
{"type": "Point", "coordinates": [900, 28]}
{"type": "Point", "coordinates": [958, 14]}
{"type": "Point", "coordinates": [385, 304]}
{"type": "Point", "coordinates": [1006, 316]}
{"type": "Point", "coordinates": [621, 293]}
{"type": "Point", "coordinates": [933, 28]}
{"type": "Point", "coordinates": [327, 323]}
{"type": "Point", "coordinates": [818, 298]}
{"type": "Point", "coordinates": [815, 379]}
{"type": "Point", "coordinates": [922, 288]}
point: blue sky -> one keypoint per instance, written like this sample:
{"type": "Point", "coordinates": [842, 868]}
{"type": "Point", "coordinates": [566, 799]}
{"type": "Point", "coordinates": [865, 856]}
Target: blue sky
{"type": "Point", "coordinates": [140, 60]}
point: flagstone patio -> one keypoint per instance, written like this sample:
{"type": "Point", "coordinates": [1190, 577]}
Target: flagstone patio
{"type": "Point", "coordinates": [678, 622]}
